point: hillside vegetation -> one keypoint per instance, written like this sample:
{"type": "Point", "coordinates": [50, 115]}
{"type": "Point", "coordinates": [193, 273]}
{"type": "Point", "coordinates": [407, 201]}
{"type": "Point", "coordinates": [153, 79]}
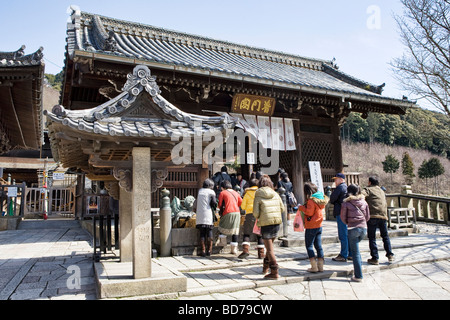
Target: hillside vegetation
{"type": "Point", "coordinates": [423, 134]}
{"type": "Point", "coordinates": [418, 129]}
{"type": "Point", "coordinates": [367, 158]}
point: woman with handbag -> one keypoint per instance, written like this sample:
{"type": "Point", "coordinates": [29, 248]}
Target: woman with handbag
{"type": "Point", "coordinates": [249, 223]}
{"type": "Point", "coordinates": [230, 221]}
{"type": "Point", "coordinates": [267, 209]}
{"type": "Point", "coordinates": [205, 207]}
{"type": "Point", "coordinates": [313, 210]}
{"type": "Point", "coordinates": [355, 214]}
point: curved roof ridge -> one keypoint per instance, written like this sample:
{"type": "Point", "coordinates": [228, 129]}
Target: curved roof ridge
{"type": "Point", "coordinates": [140, 80]}
{"type": "Point", "coordinates": [135, 28]}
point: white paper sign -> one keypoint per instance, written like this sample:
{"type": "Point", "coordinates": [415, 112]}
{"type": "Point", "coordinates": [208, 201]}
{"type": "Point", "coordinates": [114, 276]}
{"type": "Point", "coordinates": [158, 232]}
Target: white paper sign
{"type": "Point", "coordinates": [316, 174]}
{"type": "Point", "coordinates": [58, 175]}
{"type": "Point", "coordinates": [12, 191]}
{"type": "Point", "coordinates": [251, 158]}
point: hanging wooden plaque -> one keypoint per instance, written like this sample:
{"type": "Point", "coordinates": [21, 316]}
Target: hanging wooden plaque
{"type": "Point", "coordinates": [251, 104]}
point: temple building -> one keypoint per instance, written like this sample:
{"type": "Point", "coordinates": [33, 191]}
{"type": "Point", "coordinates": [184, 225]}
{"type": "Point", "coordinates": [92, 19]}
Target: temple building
{"type": "Point", "coordinates": [21, 122]}
{"type": "Point", "coordinates": [129, 85]}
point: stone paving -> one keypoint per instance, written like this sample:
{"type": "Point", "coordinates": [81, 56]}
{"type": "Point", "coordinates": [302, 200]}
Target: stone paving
{"type": "Point", "coordinates": [47, 263]}
{"type": "Point", "coordinates": [55, 262]}
{"type": "Point", "coordinates": [415, 256]}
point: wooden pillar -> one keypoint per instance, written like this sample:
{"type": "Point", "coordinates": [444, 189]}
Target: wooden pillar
{"type": "Point", "coordinates": [337, 148]}
{"type": "Point", "coordinates": [297, 168]}
{"type": "Point", "coordinates": [141, 214]}
{"type": "Point", "coordinates": [203, 174]}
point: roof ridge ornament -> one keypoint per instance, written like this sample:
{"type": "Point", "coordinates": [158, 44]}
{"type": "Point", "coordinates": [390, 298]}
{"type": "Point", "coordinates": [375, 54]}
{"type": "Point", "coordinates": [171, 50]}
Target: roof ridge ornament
{"type": "Point", "coordinates": [110, 43]}
{"type": "Point", "coordinates": [18, 57]}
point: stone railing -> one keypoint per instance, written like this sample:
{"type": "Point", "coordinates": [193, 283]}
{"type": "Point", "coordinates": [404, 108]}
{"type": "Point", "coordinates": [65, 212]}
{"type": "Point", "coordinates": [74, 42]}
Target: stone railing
{"type": "Point", "coordinates": [427, 208]}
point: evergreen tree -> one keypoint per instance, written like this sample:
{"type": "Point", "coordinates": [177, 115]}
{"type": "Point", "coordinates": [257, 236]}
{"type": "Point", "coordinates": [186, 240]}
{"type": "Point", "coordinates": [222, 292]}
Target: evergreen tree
{"type": "Point", "coordinates": [424, 172]}
{"type": "Point", "coordinates": [435, 169]}
{"type": "Point", "coordinates": [390, 165]}
{"type": "Point", "coordinates": [408, 168]}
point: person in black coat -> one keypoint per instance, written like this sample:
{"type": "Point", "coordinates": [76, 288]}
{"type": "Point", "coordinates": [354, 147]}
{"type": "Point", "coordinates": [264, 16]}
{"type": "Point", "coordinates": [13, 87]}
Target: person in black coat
{"type": "Point", "coordinates": [336, 198]}
{"type": "Point", "coordinates": [286, 183]}
{"type": "Point", "coordinates": [218, 178]}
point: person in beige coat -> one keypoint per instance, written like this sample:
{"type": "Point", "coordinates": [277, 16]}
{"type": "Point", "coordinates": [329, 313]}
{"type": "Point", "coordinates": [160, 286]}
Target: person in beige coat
{"type": "Point", "coordinates": [267, 209]}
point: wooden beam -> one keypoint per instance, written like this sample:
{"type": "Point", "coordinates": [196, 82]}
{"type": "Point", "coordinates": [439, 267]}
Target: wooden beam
{"type": "Point", "coordinates": [16, 116]}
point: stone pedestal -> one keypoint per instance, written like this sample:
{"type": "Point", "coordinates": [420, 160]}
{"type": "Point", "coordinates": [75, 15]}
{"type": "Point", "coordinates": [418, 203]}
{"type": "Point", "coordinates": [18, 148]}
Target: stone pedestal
{"type": "Point", "coordinates": [141, 214]}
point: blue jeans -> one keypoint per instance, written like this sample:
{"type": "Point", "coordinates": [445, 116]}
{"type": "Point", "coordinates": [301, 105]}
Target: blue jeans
{"type": "Point", "coordinates": [343, 237]}
{"type": "Point", "coordinates": [372, 226]}
{"type": "Point", "coordinates": [355, 235]}
{"type": "Point", "coordinates": [313, 237]}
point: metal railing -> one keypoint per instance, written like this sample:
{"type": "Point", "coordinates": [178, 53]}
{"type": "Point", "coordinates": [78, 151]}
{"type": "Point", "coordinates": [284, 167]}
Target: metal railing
{"type": "Point", "coordinates": [427, 208]}
{"type": "Point", "coordinates": [107, 238]}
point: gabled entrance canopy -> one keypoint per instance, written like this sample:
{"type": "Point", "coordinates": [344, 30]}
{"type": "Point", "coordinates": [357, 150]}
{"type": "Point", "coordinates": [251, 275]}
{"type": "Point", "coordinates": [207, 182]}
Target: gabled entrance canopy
{"type": "Point", "coordinates": [103, 137]}
{"type": "Point", "coordinates": [129, 138]}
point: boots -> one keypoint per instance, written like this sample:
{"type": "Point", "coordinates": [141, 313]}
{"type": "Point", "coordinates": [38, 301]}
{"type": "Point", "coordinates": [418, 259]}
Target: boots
{"type": "Point", "coordinates": [273, 272]}
{"type": "Point", "coordinates": [209, 247]}
{"type": "Point", "coordinates": [260, 248]}
{"type": "Point", "coordinates": [314, 267]}
{"type": "Point", "coordinates": [265, 265]}
{"type": "Point", "coordinates": [245, 248]}
{"type": "Point", "coordinates": [233, 247]}
{"type": "Point", "coordinates": [320, 263]}
{"type": "Point", "coordinates": [202, 248]}
{"type": "Point", "coordinates": [221, 241]}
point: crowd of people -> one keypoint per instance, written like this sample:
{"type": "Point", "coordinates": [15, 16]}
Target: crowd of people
{"type": "Point", "coordinates": [358, 212]}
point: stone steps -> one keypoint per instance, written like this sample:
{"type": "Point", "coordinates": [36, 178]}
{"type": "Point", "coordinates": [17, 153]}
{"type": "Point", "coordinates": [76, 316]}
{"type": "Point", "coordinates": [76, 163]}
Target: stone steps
{"type": "Point", "coordinates": [29, 224]}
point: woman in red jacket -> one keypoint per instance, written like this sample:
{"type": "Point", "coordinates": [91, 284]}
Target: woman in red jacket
{"type": "Point", "coordinates": [230, 221]}
{"type": "Point", "coordinates": [313, 209]}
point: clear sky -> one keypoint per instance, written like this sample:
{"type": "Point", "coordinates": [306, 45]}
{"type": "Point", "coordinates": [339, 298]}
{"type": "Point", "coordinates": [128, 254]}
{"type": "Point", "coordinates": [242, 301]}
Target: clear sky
{"type": "Point", "coordinates": [361, 34]}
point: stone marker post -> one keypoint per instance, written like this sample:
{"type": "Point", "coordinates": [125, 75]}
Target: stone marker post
{"type": "Point", "coordinates": [165, 223]}
{"type": "Point", "coordinates": [141, 214]}
{"type": "Point", "coordinates": [125, 230]}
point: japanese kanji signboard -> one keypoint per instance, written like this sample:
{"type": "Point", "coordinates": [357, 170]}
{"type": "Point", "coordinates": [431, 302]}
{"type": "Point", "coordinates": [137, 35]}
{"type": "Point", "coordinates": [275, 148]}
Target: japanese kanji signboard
{"type": "Point", "coordinates": [251, 104]}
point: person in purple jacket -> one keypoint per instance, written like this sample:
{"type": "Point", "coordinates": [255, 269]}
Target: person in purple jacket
{"type": "Point", "coordinates": [355, 214]}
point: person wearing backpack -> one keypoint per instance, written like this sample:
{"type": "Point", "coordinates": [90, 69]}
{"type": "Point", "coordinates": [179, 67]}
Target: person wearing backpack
{"type": "Point", "coordinates": [291, 202]}
{"type": "Point", "coordinates": [355, 213]}
{"type": "Point", "coordinates": [218, 178]}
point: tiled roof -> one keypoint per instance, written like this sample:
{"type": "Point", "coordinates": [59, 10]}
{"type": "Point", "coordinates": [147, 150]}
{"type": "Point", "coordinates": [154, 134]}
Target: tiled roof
{"type": "Point", "coordinates": [116, 117]}
{"type": "Point", "coordinates": [21, 87]}
{"type": "Point", "coordinates": [18, 58]}
{"type": "Point", "coordinates": [119, 39]}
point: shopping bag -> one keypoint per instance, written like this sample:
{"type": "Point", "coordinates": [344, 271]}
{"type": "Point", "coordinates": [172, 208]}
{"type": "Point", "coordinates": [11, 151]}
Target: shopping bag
{"type": "Point", "coordinates": [256, 229]}
{"type": "Point", "coordinates": [298, 222]}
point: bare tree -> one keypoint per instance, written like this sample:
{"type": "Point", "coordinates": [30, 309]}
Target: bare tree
{"type": "Point", "coordinates": [424, 69]}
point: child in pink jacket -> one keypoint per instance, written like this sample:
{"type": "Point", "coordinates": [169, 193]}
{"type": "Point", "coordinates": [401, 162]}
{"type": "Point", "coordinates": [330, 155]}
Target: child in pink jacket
{"type": "Point", "coordinates": [355, 214]}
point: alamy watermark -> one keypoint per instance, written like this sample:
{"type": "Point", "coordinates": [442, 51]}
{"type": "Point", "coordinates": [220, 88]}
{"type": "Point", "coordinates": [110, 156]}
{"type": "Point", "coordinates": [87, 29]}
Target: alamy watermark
{"type": "Point", "coordinates": [74, 280]}
{"type": "Point", "coordinates": [210, 147]}
{"type": "Point", "coordinates": [373, 21]}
